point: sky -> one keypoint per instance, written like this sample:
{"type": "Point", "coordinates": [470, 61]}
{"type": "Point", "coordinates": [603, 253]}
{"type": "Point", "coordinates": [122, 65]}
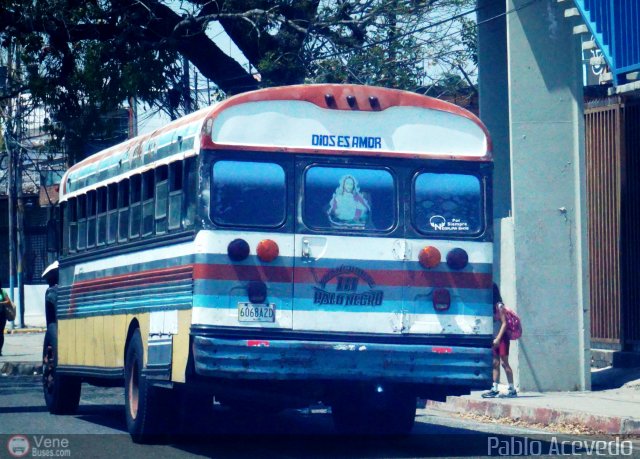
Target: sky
{"type": "Point", "coordinates": [152, 119]}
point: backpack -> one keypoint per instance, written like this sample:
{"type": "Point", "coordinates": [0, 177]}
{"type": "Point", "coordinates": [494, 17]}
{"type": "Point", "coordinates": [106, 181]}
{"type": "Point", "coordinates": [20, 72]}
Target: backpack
{"type": "Point", "coordinates": [8, 306]}
{"type": "Point", "coordinates": [514, 326]}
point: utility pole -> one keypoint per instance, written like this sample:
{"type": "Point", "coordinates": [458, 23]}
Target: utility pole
{"type": "Point", "coordinates": [13, 137]}
{"type": "Point", "coordinates": [186, 86]}
{"type": "Point", "coordinates": [11, 182]}
{"type": "Point", "coordinates": [133, 117]}
{"type": "Point", "coordinates": [20, 242]}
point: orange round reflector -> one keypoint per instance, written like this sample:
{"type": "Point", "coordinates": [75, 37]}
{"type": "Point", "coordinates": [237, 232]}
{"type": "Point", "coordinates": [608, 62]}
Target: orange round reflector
{"type": "Point", "coordinates": [267, 250]}
{"type": "Point", "coordinates": [429, 257]}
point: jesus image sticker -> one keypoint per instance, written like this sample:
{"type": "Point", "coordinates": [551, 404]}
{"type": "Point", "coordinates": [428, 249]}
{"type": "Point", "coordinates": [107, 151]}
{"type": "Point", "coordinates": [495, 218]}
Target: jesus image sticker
{"type": "Point", "coordinates": [348, 207]}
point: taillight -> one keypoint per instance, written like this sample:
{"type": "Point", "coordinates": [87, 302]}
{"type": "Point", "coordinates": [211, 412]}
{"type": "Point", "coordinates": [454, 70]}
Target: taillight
{"type": "Point", "coordinates": [267, 250]}
{"type": "Point", "coordinates": [442, 350]}
{"type": "Point", "coordinates": [429, 257]}
{"type": "Point", "coordinates": [238, 249]}
{"type": "Point", "coordinates": [457, 258]}
{"type": "Point", "coordinates": [441, 299]}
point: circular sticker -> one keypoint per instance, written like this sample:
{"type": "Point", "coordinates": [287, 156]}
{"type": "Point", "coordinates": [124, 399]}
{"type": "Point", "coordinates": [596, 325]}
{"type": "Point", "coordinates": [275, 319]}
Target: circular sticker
{"type": "Point", "coordinates": [18, 446]}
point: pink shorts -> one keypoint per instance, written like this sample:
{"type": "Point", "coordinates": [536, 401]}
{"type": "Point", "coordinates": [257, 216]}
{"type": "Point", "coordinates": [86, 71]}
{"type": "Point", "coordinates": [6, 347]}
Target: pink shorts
{"type": "Point", "coordinates": [502, 349]}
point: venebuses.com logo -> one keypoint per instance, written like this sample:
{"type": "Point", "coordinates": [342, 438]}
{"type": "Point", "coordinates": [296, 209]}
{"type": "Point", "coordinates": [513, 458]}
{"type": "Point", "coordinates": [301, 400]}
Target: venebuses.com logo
{"type": "Point", "coordinates": [18, 446]}
{"type": "Point", "coordinates": [38, 446]}
{"type": "Point", "coordinates": [497, 446]}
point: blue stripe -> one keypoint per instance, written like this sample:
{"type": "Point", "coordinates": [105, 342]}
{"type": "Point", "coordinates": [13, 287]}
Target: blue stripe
{"type": "Point", "coordinates": [117, 309]}
{"type": "Point", "coordinates": [388, 306]}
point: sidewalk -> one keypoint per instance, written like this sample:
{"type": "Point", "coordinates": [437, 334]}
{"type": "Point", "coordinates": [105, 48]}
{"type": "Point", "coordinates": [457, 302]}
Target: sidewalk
{"type": "Point", "coordinates": [22, 352]}
{"type": "Point", "coordinates": [613, 407]}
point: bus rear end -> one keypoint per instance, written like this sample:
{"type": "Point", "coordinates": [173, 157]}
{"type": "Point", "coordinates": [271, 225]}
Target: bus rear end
{"type": "Point", "coordinates": [345, 255]}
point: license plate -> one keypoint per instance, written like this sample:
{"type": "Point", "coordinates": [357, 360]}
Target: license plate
{"type": "Point", "coordinates": [250, 312]}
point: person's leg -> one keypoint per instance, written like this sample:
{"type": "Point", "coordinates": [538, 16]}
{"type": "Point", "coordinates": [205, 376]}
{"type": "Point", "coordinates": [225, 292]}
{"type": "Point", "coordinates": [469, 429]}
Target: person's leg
{"type": "Point", "coordinates": [507, 369]}
{"type": "Point", "coordinates": [504, 358]}
{"type": "Point", "coordinates": [3, 323]}
{"type": "Point", "coordinates": [496, 376]}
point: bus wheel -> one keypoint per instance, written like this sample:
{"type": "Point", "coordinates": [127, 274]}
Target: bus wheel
{"type": "Point", "coordinates": [61, 392]}
{"type": "Point", "coordinates": [368, 412]}
{"type": "Point", "coordinates": [145, 420]}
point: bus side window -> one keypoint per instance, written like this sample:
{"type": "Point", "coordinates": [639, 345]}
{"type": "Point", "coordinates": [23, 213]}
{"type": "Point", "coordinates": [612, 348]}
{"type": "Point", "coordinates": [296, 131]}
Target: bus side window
{"type": "Point", "coordinates": [148, 191]}
{"type": "Point", "coordinates": [71, 239]}
{"type": "Point", "coordinates": [162, 191]}
{"type": "Point", "coordinates": [135, 207]}
{"type": "Point", "coordinates": [112, 213]}
{"type": "Point", "coordinates": [63, 220]}
{"type": "Point", "coordinates": [175, 195]}
{"type": "Point", "coordinates": [91, 219]}
{"type": "Point", "coordinates": [82, 222]}
{"type": "Point", "coordinates": [123, 211]}
{"type": "Point", "coordinates": [102, 216]}
{"type": "Point", "coordinates": [190, 197]}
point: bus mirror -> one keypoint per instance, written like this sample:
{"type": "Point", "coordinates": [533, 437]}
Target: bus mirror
{"type": "Point", "coordinates": [52, 236]}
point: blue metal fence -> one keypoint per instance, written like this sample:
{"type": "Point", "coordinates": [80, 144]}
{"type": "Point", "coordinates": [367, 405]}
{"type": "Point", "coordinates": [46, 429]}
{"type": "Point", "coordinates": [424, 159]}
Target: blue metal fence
{"type": "Point", "coordinates": [615, 25]}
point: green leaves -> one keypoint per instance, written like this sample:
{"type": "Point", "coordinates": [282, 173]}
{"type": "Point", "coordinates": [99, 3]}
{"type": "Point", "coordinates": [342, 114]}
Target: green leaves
{"type": "Point", "coordinates": [84, 58]}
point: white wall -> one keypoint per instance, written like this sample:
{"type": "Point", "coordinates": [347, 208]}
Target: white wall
{"type": "Point", "coordinates": [34, 313]}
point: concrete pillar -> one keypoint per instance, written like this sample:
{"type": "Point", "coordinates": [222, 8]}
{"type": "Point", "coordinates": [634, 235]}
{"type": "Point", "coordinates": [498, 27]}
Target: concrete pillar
{"type": "Point", "coordinates": [542, 248]}
{"type": "Point", "coordinates": [494, 96]}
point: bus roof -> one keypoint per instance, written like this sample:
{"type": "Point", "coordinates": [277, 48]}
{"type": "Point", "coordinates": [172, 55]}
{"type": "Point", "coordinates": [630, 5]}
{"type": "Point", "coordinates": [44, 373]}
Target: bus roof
{"type": "Point", "coordinates": [331, 119]}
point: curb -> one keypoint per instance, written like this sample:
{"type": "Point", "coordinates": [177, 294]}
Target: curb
{"type": "Point", "coordinates": [20, 368]}
{"type": "Point", "coordinates": [607, 424]}
{"type": "Point", "coordinates": [14, 331]}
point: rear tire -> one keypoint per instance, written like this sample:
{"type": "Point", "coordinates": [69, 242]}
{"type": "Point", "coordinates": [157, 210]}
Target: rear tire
{"type": "Point", "coordinates": [366, 412]}
{"type": "Point", "coordinates": [144, 409]}
{"type": "Point", "coordinates": [61, 392]}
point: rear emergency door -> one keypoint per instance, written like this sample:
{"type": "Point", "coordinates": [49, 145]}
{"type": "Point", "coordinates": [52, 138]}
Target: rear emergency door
{"type": "Point", "coordinates": [349, 250]}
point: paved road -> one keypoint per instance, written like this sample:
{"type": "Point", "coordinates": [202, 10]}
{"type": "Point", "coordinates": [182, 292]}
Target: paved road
{"type": "Point", "coordinates": [98, 430]}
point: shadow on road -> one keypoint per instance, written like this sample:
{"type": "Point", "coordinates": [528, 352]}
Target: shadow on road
{"type": "Point", "coordinates": [22, 409]}
{"type": "Point", "coordinates": [294, 433]}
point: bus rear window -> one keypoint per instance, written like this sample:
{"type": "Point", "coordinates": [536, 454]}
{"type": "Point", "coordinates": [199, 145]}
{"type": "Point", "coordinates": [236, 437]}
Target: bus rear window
{"type": "Point", "coordinates": [341, 198]}
{"type": "Point", "coordinates": [248, 193]}
{"type": "Point", "coordinates": [448, 204]}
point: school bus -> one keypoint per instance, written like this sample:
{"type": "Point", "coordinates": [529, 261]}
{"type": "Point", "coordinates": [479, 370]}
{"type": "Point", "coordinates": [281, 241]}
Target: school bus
{"type": "Point", "coordinates": [287, 245]}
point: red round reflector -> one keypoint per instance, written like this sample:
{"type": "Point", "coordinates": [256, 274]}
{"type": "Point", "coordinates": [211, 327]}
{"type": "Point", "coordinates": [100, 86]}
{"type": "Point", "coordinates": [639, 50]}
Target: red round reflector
{"type": "Point", "coordinates": [457, 258]}
{"type": "Point", "coordinates": [429, 257]}
{"type": "Point", "coordinates": [238, 249]}
{"type": "Point", "coordinates": [267, 250]}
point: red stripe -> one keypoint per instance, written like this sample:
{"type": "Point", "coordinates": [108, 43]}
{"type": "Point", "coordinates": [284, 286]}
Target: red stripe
{"type": "Point", "coordinates": [137, 279]}
{"type": "Point", "coordinates": [303, 275]}
{"type": "Point", "coordinates": [243, 272]}
{"type": "Point", "coordinates": [308, 275]}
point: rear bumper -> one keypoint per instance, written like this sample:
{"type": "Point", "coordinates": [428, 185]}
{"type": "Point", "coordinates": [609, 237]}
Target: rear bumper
{"type": "Point", "coordinates": [286, 360]}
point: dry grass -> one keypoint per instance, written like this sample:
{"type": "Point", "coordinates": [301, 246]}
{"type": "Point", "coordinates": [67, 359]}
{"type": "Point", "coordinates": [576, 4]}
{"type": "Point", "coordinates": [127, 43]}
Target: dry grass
{"type": "Point", "coordinates": [566, 428]}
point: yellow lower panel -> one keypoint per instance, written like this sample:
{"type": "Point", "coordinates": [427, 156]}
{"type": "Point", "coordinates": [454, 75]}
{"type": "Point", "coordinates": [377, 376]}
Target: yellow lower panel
{"type": "Point", "coordinates": [81, 342]}
{"type": "Point", "coordinates": [120, 326]}
{"type": "Point", "coordinates": [66, 341]}
{"type": "Point", "coordinates": [97, 342]}
{"type": "Point", "coordinates": [181, 347]}
{"type": "Point", "coordinates": [100, 341]}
